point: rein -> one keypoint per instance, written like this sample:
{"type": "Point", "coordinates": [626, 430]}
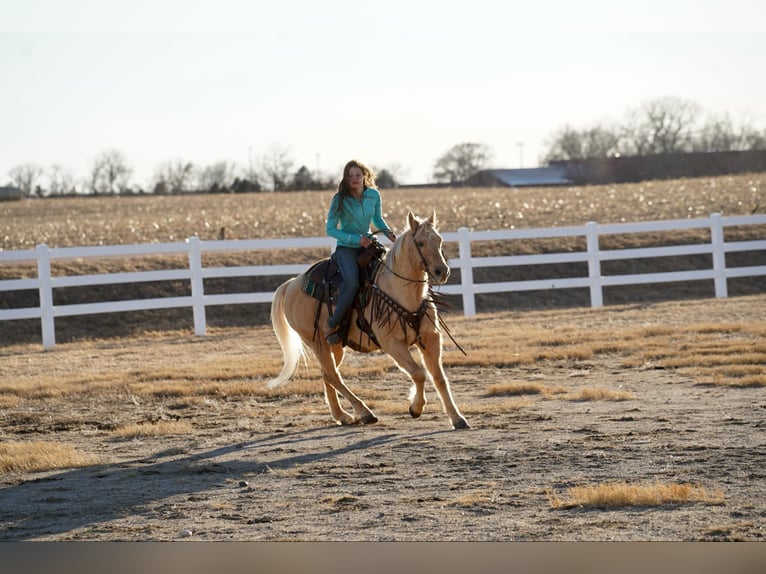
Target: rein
{"type": "Point", "coordinates": [384, 307]}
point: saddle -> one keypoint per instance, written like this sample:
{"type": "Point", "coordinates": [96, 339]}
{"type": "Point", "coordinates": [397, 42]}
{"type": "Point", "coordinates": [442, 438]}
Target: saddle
{"type": "Point", "coordinates": [322, 282]}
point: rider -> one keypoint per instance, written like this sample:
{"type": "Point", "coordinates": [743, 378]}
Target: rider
{"type": "Point", "coordinates": [353, 208]}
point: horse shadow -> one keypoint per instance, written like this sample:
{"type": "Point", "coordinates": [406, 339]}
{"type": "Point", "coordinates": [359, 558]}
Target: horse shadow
{"type": "Point", "coordinates": [57, 503]}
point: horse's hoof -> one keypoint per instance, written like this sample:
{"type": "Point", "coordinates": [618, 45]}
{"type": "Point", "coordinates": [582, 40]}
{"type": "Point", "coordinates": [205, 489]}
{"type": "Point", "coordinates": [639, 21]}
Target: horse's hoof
{"type": "Point", "coordinates": [460, 424]}
{"type": "Point", "coordinates": [369, 419]}
{"type": "Point", "coordinates": [414, 414]}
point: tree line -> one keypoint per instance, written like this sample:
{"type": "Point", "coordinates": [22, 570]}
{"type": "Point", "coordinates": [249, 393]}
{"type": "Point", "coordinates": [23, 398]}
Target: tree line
{"type": "Point", "coordinates": [666, 125]}
{"type": "Point", "coordinates": [111, 174]}
{"type": "Point", "coordinates": [661, 126]}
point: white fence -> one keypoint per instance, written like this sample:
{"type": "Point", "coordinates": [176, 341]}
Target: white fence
{"type": "Point", "coordinates": [466, 288]}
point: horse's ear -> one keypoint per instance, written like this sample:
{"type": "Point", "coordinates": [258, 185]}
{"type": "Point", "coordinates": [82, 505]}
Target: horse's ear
{"type": "Point", "coordinates": [432, 218]}
{"type": "Point", "coordinates": [413, 221]}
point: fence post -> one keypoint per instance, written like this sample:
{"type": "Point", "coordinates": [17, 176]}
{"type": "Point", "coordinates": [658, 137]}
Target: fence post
{"type": "Point", "coordinates": [594, 265]}
{"type": "Point", "coordinates": [466, 271]}
{"type": "Point", "coordinates": [197, 285]}
{"type": "Point", "coordinates": [719, 256]}
{"type": "Point", "coordinates": [45, 287]}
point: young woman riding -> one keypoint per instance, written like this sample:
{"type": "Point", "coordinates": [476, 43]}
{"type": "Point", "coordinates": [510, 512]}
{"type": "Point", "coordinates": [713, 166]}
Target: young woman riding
{"type": "Point", "coordinates": [355, 207]}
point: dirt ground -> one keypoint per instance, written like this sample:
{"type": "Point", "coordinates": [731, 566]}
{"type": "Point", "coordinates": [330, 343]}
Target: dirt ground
{"type": "Point", "coordinates": [256, 470]}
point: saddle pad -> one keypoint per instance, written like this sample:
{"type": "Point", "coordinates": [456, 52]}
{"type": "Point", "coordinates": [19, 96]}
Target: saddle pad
{"type": "Point", "coordinates": [319, 275]}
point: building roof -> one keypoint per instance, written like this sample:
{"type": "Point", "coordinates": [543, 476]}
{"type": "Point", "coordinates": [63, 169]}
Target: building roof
{"type": "Point", "coordinates": [550, 175]}
{"type": "Point", "coordinates": [7, 192]}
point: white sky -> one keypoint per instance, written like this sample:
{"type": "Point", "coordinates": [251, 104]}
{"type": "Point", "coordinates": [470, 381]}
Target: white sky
{"type": "Point", "coordinates": [395, 83]}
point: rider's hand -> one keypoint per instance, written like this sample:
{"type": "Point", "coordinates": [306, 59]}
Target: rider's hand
{"type": "Point", "coordinates": [365, 241]}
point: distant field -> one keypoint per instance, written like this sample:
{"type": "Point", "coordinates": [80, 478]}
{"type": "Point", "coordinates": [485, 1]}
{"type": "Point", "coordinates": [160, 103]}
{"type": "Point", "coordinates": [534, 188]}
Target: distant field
{"type": "Point", "coordinates": [145, 219]}
{"type": "Point", "coordinates": [148, 219]}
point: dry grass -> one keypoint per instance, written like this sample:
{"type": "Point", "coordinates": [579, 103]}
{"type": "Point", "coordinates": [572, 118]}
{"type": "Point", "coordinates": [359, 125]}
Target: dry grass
{"type": "Point", "coordinates": [152, 429]}
{"type": "Point", "coordinates": [515, 388]}
{"type": "Point", "coordinates": [726, 354]}
{"type": "Point", "coordinates": [599, 394]}
{"type": "Point", "coordinates": [621, 494]}
{"type": "Point", "coordinates": [35, 456]}
{"type": "Point", "coordinates": [9, 402]}
{"type": "Point", "coordinates": [475, 499]}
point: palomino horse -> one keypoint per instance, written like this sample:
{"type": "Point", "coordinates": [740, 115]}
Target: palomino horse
{"type": "Point", "coordinates": [401, 315]}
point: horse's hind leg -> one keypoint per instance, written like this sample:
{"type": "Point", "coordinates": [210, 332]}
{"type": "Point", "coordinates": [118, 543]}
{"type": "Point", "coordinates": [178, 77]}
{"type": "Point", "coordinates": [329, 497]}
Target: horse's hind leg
{"type": "Point", "coordinates": [338, 413]}
{"type": "Point", "coordinates": [331, 395]}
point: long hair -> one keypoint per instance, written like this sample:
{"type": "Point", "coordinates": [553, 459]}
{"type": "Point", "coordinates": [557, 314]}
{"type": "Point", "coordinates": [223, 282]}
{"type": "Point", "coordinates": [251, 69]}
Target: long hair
{"type": "Point", "coordinates": [344, 191]}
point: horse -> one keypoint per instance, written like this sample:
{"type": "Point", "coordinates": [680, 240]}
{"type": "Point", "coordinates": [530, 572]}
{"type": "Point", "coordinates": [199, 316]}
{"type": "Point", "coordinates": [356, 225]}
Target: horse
{"type": "Point", "coordinates": [400, 313]}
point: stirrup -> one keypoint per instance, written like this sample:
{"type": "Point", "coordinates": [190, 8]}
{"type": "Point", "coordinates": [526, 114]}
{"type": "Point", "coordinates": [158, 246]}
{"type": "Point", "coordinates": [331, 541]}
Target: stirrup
{"type": "Point", "coordinates": [333, 336]}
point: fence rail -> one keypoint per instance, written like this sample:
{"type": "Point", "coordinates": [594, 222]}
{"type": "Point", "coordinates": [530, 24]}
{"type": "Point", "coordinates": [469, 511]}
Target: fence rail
{"type": "Point", "coordinates": [467, 288]}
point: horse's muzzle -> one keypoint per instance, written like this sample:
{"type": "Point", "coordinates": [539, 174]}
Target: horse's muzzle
{"type": "Point", "coordinates": [440, 275]}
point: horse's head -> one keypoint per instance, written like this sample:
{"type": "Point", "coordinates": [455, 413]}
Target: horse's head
{"type": "Point", "coordinates": [428, 246]}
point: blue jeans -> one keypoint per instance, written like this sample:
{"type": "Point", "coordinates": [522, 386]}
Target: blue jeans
{"type": "Point", "coordinates": [349, 271]}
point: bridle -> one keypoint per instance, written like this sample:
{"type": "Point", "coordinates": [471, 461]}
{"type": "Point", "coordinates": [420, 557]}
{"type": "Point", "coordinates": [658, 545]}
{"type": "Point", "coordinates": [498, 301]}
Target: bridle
{"type": "Point", "coordinates": [422, 260]}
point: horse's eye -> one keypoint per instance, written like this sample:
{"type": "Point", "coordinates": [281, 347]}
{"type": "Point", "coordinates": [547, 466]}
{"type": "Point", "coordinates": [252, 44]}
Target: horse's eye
{"type": "Point", "coordinates": [421, 243]}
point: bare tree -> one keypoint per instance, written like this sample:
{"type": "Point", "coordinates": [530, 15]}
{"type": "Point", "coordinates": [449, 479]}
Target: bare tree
{"type": "Point", "coordinates": [720, 134]}
{"type": "Point", "coordinates": [572, 144]}
{"type": "Point", "coordinates": [276, 165]}
{"type": "Point", "coordinates": [461, 161]}
{"type": "Point", "coordinates": [25, 176]}
{"type": "Point", "coordinates": [389, 176]}
{"type": "Point", "coordinates": [173, 177]}
{"type": "Point", "coordinates": [303, 180]}
{"type": "Point", "coordinates": [110, 174]}
{"type": "Point", "coordinates": [217, 177]}
{"type": "Point", "coordinates": [385, 179]}
{"type": "Point", "coordinates": [753, 139]}
{"type": "Point", "coordinates": [664, 125]}
{"type": "Point", "coordinates": [60, 181]}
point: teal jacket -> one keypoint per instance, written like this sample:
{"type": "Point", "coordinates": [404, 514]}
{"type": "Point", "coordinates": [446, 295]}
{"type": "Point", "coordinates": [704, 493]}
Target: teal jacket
{"type": "Point", "coordinates": [348, 227]}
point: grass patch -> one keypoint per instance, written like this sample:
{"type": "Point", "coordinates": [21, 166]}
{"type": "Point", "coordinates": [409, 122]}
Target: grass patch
{"type": "Point", "coordinates": [601, 394]}
{"type": "Point", "coordinates": [474, 499]}
{"type": "Point", "coordinates": [515, 389]}
{"type": "Point", "coordinates": [9, 402]}
{"type": "Point", "coordinates": [621, 494]}
{"type": "Point", "coordinates": [723, 379]}
{"type": "Point", "coordinates": [36, 456]}
{"type": "Point", "coordinates": [152, 429]}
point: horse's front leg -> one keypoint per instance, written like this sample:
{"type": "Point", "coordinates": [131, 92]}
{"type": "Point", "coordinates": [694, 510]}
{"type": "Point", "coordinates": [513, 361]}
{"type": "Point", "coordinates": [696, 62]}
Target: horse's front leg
{"type": "Point", "coordinates": [334, 384]}
{"type": "Point", "coordinates": [400, 353]}
{"type": "Point", "coordinates": [432, 356]}
{"type": "Point", "coordinates": [338, 413]}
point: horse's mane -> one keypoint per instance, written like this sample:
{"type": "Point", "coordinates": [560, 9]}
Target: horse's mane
{"type": "Point", "coordinates": [396, 248]}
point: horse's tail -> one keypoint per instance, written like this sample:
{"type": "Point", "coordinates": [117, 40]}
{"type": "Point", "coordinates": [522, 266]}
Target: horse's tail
{"type": "Point", "coordinates": [292, 346]}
